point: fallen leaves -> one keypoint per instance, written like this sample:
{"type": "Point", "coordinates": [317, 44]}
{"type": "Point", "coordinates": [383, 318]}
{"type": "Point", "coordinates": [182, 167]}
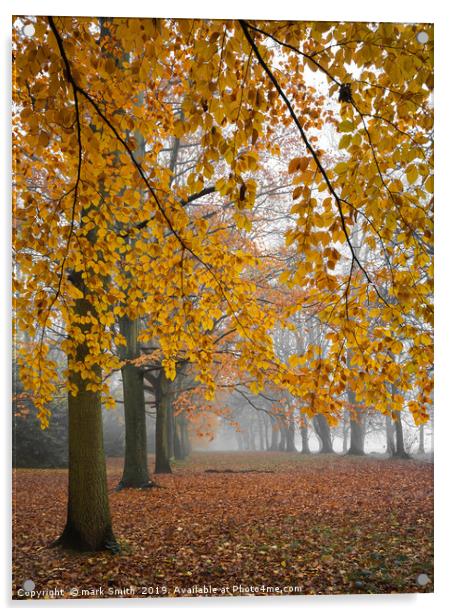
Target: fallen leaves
{"type": "Point", "coordinates": [316, 525]}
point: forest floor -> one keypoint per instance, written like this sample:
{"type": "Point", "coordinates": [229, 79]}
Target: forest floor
{"type": "Point", "coordinates": [300, 524]}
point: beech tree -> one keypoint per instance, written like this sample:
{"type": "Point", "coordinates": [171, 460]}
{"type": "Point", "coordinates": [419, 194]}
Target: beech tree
{"type": "Point", "coordinates": [102, 233]}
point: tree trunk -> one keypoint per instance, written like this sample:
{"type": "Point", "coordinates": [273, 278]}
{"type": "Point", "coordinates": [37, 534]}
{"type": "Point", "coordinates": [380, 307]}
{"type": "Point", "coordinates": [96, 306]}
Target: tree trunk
{"type": "Point", "coordinates": [323, 431]}
{"type": "Point", "coordinates": [185, 438]}
{"type": "Point", "coordinates": [357, 428]}
{"type": "Point", "coordinates": [290, 442]}
{"type": "Point", "coordinates": [304, 436]}
{"type": "Point", "coordinates": [267, 425]}
{"type": "Point", "coordinates": [260, 425]}
{"type": "Point", "coordinates": [390, 447]}
{"type": "Point", "coordinates": [400, 444]}
{"type": "Point", "coordinates": [357, 422]}
{"type": "Point", "coordinates": [344, 433]}
{"type": "Point", "coordinates": [240, 445]}
{"type": "Point", "coordinates": [283, 435]}
{"type": "Point", "coordinates": [252, 439]}
{"type": "Point", "coordinates": [356, 437]}
{"type": "Point", "coordinates": [163, 401]}
{"type": "Point", "coordinates": [135, 473]}
{"type": "Point", "coordinates": [171, 427]}
{"type": "Point", "coordinates": [274, 434]}
{"type": "Point", "coordinates": [421, 448]}
{"type": "Point", "coordinates": [178, 450]}
{"type": "Point", "coordinates": [88, 526]}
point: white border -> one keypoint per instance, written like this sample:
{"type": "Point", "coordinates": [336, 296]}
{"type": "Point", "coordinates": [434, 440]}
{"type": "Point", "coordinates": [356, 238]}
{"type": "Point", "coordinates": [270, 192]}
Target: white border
{"type": "Point", "coordinates": [331, 10]}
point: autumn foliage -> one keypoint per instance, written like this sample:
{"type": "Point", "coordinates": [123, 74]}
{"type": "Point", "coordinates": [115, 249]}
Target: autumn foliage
{"type": "Point", "coordinates": [213, 210]}
{"type": "Point", "coordinates": [100, 215]}
{"type": "Point", "coordinates": [317, 524]}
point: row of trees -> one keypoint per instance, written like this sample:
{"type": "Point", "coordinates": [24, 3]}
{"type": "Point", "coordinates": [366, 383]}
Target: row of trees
{"type": "Point", "coordinates": [260, 430]}
{"type": "Point", "coordinates": [158, 166]}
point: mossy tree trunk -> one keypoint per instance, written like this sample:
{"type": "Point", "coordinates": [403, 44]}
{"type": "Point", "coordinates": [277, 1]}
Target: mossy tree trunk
{"type": "Point", "coordinates": [135, 473]}
{"type": "Point", "coordinates": [88, 525]}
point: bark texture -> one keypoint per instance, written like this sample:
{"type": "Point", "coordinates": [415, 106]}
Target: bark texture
{"type": "Point", "coordinates": [88, 526]}
{"type": "Point", "coordinates": [135, 472]}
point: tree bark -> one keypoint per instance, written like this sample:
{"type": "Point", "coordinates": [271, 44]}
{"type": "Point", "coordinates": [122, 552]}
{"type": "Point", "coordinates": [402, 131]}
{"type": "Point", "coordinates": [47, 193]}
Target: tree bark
{"type": "Point", "coordinates": [356, 437]}
{"type": "Point", "coordinates": [390, 447]}
{"type": "Point", "coordinates": [357, 422]}
{"type": "Point", "coordinates": [323, 431]}
{"type": "Point", "coordinates": [185, 438]}
{"type": "Point", "coordinates": [88, 526]}
{"type": "Point", "coordinates": [178, 451]}
{"type": "Point", "coordinates": [135, 473]}
{"type": "Point", "coordinates": [171, 427]}
{"type": "Point", "coordinates": [400, 444]}
{"type": "Point", "coordinates": [163, 402]}
{"type": "Point", "coordinates": [290, 441]}
{"type": "Point", "coordinates": [304, 436]}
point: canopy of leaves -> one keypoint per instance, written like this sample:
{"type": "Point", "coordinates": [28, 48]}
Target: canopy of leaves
{"type": "Point", "coordinates": [105, 228]}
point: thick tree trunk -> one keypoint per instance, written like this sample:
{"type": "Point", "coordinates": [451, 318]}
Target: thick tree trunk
{"type": "Point", "coordinates": [304, 436]}
{"type": "Point", "coordinates": [135, 473]}
{"type": "Point", "coordinates": [88, 526]}
{"type": "Point", "coordinates": [163, 401]}
{"type": "Point", "coordinates": [400, 444]}
{"type": "Point", "coordinates": [356, 437]}
{"type": "Point", "coordinates": [323, 431]}
{"type": "Point", "coordinates": [390, 447]}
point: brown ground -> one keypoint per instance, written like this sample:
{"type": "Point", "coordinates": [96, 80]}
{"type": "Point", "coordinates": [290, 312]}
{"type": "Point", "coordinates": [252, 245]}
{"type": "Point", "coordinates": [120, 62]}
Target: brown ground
{"type": "Point", "coordinates": [323, 524]}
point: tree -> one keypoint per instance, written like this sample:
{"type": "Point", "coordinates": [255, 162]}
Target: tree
{"type": "Point", "coordinates": [82, 194]}
{"type": "Point", "coordinates": [135, 473]}
{"type": "Point", "coordinates": [323, 432]}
